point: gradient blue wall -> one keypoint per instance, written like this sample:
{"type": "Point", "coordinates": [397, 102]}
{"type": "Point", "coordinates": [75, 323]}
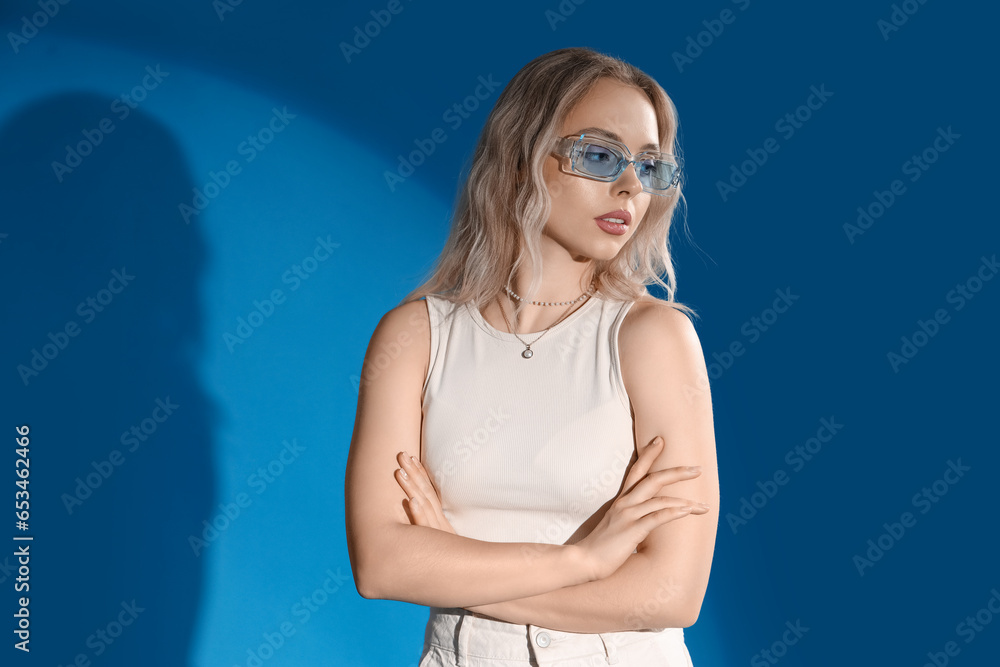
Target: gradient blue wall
{"type": "Point", "coordinates": [153, 410]}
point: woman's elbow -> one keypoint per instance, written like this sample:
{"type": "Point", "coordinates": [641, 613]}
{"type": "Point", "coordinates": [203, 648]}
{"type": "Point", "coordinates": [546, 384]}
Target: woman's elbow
{"type": "Point", "coordinates": [372, 564]}
{"type": "Point", "coordinates": [364, 588]}
{"type": "Point", "coordinates": [690, 618]}
{"type": "Point", "coordinates": [688, 613]}
{"type": "Point", "coordinates": [682, 612]}
{"type": "Point", "coordinates": [367, 581]}
{"type": "Point", "coordinates": [362, 580]}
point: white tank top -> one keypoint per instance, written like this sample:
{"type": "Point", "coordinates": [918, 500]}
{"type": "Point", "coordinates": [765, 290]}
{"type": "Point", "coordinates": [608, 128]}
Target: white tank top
{"type": "Point", "coordinates": [525, 450]}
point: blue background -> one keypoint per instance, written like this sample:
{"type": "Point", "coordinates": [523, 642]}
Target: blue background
{"type": "Point", "coordinates": [290, 385]}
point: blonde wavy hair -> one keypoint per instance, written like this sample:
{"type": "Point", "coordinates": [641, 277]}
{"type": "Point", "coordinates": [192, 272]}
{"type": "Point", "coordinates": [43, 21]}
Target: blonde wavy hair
{"type": "Point", "coordinates": [499, 216]}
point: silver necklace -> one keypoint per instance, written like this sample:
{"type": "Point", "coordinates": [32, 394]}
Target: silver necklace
{"type": "Point", "coordinates": [527, 353]}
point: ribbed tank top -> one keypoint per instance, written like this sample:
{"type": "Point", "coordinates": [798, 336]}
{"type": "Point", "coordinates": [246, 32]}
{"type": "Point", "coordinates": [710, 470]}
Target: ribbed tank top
{"type": "Point", "coordinates": [525, 450]}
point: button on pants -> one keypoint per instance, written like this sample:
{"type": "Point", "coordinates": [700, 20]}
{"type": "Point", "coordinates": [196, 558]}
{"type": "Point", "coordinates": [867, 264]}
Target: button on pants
{"type": "Point", "coordinates": [456, 637]}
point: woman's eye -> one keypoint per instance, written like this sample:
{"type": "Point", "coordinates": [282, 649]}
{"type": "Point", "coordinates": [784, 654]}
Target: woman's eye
{"type": "Point", "coordinates": [597, 156]}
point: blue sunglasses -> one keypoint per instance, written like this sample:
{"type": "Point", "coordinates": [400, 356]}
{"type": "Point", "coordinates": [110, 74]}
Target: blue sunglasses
{"type": "Point", "coordinates": [603, 159]}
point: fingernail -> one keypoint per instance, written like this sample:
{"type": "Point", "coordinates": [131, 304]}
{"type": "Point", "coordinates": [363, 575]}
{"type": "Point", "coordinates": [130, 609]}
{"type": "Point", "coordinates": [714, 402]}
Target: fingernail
{"type": "Point", "coordinates": [694, 469]}
{"type": "Point", "coordinates": [703, 505]}
{"type": "Point", "coordinates": [686, 508]}
{"type": "Point", "coordinates": [415, 461]}
{"type": "Point", "coordinates": [405, 476]}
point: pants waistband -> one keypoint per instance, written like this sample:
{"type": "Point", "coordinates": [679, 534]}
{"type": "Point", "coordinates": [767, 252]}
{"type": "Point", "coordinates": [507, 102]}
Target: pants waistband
{"type": "Point", "coordinates": [472, 635]}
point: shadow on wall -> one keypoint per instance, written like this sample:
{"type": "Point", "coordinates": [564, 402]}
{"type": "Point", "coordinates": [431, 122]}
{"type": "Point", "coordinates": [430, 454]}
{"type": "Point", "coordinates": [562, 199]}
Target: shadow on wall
{"type": "Point", "coordinates": [101, 337]}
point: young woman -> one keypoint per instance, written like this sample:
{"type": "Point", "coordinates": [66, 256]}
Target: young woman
{"type": "Point", "coordinates": [518, 428]}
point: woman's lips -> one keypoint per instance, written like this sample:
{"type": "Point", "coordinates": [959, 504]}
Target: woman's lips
{"type": "Point", "coordinates": [615, 228]}
{"type": "Point", "coordinates": [619, 214]}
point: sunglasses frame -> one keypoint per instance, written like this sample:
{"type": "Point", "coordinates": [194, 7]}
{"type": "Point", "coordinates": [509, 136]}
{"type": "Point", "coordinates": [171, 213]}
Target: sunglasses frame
{"type": "Point", "coordinates": [570, 148]}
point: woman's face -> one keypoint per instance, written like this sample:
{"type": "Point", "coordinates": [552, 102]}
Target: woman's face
{"type": "Point", "coordinates": [609, 109]}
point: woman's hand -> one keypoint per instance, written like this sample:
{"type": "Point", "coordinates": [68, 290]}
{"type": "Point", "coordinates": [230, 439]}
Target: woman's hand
{"type": "Point", "coordinates": [636, 512]}
{"type": "Point", "coordinates": [424, 502]}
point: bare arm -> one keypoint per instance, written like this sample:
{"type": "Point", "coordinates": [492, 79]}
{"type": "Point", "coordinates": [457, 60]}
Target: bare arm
{"type": "Point", "coordinates": [633, 598]}
{"type": "Point", "coordinates": [664, 584]}
{"type": "Point", "coordinates": [392, 559]}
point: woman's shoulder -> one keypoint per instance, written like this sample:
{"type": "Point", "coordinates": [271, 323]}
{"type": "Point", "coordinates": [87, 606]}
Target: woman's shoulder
{"type": "Point", "coordinates": [411, 312]}
{"type": "Point", "coordinates": [655, 322]}
{"type": "Point", "coordinates": [647, 307]}
{"type": "Point", "coordinates": [401, 335]}
{"type": "Point", "coordinates": [415, 316]}
{"type": "Point", "coordinates": [403, 324]}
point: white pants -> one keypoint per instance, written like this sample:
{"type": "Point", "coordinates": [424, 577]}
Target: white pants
{"type": "Point", "coordinates": [456, 637]}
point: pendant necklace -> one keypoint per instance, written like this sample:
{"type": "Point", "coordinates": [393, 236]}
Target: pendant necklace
{"type": "Point", "coordinates": [528, 353]}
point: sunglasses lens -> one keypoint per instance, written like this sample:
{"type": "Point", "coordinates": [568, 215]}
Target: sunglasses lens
{"type": "Point", "coordinates": [603, 162]}
{"type": "Point", "coordinates": [657, 174]}
{"type": "Point", "coordinates": [598, 160]}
